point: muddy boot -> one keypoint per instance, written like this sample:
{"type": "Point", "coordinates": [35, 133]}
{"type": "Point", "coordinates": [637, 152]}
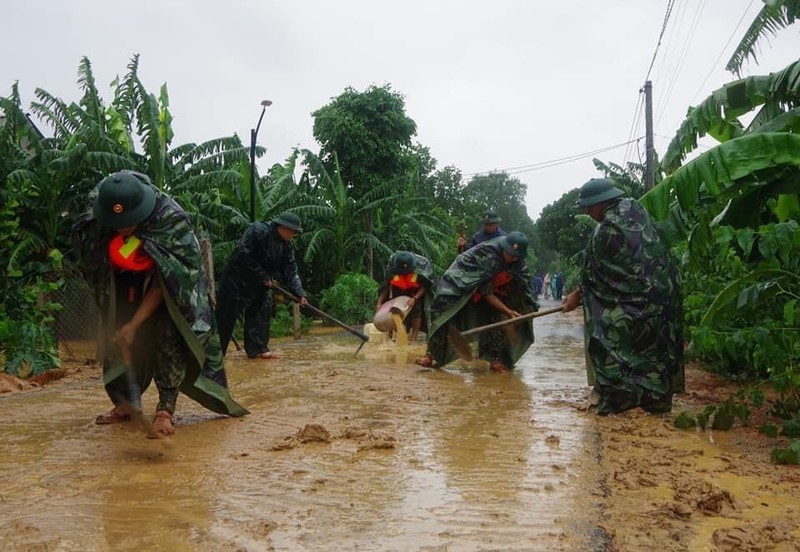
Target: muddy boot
{"type": "Point", "coordinates": [162, 424]}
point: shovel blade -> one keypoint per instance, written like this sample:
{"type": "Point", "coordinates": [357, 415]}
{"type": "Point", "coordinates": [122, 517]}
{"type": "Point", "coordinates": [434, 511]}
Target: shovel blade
{"type": "Point", "coordinates": [459, 343]}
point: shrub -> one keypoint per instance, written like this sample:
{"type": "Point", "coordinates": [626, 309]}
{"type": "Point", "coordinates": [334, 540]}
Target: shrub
{"type": "Point", "coordinates": [351, 299]}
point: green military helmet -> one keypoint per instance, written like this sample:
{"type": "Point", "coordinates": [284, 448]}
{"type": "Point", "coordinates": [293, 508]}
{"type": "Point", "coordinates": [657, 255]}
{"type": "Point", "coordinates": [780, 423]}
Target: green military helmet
{"type": "Point", "coordinates": [491, 217]}
{"type": "Point", "coordinates": [515, 244]}
{"type": "Point", "coordinates": [290, 221]}
{"type": "Point", "coordinates": [403, 262]}
{"type": "Point", "coordinates": [597, 190]}
{"type": "Point", "coordinates": [124, 199]}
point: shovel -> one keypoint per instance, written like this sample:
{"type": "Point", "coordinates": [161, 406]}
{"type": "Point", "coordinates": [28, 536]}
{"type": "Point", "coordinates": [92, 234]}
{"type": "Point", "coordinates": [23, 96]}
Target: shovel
{"type": "Point", "coordinates": [364, 338]}
{"type": "Point", "coordinates": [133, 405]}
{"type": "Point", "coordinates": [460, 342]}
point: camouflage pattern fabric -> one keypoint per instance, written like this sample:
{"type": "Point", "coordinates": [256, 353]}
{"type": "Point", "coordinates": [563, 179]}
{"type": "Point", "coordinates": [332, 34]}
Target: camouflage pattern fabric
{"type": "Point", "coordinates": [473, 271]}
{"type": "Point", "coordinates": [633, 312]}
{"type": "Point", "coordinates": [168, 237]}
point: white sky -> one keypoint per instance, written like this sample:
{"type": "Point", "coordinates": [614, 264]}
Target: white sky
{"type": "Point", "coordinates": [491, 85]}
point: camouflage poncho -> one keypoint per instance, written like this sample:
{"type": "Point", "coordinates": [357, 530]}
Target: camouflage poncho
{"type": "Point", "coordinates": [633, 312]}
{"type": "Point", "coordinates": [168, 238]}
{"type": "Point", "coordinates": [471, 272]}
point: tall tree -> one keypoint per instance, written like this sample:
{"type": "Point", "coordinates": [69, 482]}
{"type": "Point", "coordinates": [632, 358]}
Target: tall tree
{"type": "Point", "coordinates": [370, 135]}
{"type": "Point", "coordinates": [499, 192]}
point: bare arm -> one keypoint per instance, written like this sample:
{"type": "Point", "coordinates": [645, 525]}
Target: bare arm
{"type": "Point", "coordinates": [497, 304]}
{"type": "Point", "coordinates": [150, 303]}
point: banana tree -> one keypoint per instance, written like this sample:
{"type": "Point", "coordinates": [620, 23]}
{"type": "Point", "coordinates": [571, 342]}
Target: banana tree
{"type": "Point", "coordinates": [336, 240]}
{"type": "Point", "coordinates": [774, 16]}
{"type": "Point", "coordinates": [750, 183]}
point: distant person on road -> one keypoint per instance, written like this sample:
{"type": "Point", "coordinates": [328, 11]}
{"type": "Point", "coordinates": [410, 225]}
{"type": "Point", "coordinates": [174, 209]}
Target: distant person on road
{"type": "Point", "coordinates": [410, 275]}
{"type": "Point", "coordinates": [491, 229]}
{"type": "Point", "coordinates": [263, 254]}
{"type": "Point", "coordinates": [559, 286]}
{"type": "Point", "coordinates": [138, 252]}
{"type": "Point", "coordinates": [633, 312]}
{"type": "Point", "coordinates": [546, 285]}
{"type": "Point", "coordinates": [537, 285]}
{"type": "Point", "coordinates": [487, 283]}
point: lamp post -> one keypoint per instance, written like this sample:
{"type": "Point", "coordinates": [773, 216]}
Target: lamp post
{"type": "Point", "coordinates": [253, 133]}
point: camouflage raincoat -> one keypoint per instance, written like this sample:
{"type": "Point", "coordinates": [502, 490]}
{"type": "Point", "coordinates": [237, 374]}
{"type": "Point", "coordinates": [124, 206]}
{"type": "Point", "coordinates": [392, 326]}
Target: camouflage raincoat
{"type": "Point", "coordinates": [457, 301]}
{"type": "Point", "coordinates": [633, 312]}
{"type": "Point", "coordinates": [168, 237]}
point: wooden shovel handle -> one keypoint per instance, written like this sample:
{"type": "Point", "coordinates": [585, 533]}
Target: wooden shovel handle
{"type": "Point", "coordinates": [510, 321]}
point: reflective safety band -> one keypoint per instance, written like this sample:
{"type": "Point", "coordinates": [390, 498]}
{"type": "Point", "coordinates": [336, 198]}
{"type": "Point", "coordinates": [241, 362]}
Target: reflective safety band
{"type": "Point", "coordinates": [127, 253]}
{"type": "Point", "coordinates": [406, 282]}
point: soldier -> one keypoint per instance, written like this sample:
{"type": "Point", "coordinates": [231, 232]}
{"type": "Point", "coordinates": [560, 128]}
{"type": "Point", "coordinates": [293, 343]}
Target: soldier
{"type": "Point", "coordinates": [485, 284]}
{"type": "Point", "coordinates": [411, 275]}
{"type": "Point", "coordinates": [491, 229]}
{"type": "Point", "coordinates": [139, 253]}
{"type": "Point", "coordinates": [263, 253]}
{"type": "Point", "coordinates": [633, 312]}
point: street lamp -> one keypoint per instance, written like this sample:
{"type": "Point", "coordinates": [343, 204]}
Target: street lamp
{"type": "Point", "coordinates": [253, 133]}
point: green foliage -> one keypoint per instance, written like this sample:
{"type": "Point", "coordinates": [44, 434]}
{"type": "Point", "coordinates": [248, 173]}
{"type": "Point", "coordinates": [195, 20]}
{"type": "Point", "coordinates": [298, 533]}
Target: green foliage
{"type": "Point", "coordinates": [283, 322]}
{"type": "Point", "coordinates": [370, 134]}
{"type": "Point", "coordinates": [563, 228]}
{"type": "Point", "coordinates": [351, 299]}
{"type": "Point", "coordinates": [774, 16]}
{"type": "Point", "coordinates": [788, 455]}
{"type": "Point", "coordinates": [684, 420]}
{"type": "Point", "coordinates": [29, 347]}
{"type": "Point", "coordinates": [769, 429]}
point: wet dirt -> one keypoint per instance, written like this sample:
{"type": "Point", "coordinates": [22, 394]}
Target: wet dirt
{"type": "Point", "coordinates": [368, 452]}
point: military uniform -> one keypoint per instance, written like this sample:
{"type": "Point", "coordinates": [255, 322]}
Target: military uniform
{"type": "Point", "coordinates": [460, 300]}
{"type": "Point", "coordinates": [633, 311]}
{"type": "Point", "coordinates": [178, 345]}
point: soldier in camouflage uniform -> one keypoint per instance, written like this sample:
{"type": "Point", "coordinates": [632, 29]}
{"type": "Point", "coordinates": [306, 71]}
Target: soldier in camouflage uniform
{"type": "Point", "coordinates": [488, 283]}
{"type": "Point", "coordinates": [630, 291]}
{"type": "Point", "coordinates": [139, 253]}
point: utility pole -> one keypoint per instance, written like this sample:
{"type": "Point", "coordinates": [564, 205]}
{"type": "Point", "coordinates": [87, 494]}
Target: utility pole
{"type": "Point", "coordinates": [650, 151]}
{"type": "Point", "coordinates": [253, 135]}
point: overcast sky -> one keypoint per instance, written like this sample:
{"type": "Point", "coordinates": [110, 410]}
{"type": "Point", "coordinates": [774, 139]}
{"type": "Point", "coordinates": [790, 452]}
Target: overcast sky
{"type": "Point", "coordinates": [491, 85]}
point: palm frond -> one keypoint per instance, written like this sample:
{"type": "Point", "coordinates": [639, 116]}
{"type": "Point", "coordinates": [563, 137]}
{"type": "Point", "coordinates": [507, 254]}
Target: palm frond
{"type": "Point", "coordinates": [56, 113]}
{"type": "Point", "coordinates": [715, 171]}
{"type": "Point", "coordinates": [91, 102]}
{"type": "Point", "coordinates": [774, 16]}
{"type": "Point", "coordinates": [718, 114]}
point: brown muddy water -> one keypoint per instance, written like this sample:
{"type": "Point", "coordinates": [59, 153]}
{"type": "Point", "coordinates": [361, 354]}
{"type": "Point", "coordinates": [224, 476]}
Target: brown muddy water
{"type": "Point", "coordinates": [340, 452]}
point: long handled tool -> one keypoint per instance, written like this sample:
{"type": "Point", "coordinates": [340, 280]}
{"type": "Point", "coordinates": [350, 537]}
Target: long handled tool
{"type": "Point", "coordinates": [133, 404]}
{"type": "Point", "coordinates": [460, 342]}
{"type": "Point", "coordinates": [364, 338]}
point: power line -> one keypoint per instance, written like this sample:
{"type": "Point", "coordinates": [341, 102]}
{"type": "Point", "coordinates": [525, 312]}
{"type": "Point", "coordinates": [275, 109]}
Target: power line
{"type": "Point", "coordinates": [670, 4]}
{"type": "Point", "coordinates": [637, 120]}
{"type": "Point", "coordinates": [714, 65]}
{"type": "Point", "coordinates": [673, 80]}
{"type": "Point", "coordinates": [553, 162]}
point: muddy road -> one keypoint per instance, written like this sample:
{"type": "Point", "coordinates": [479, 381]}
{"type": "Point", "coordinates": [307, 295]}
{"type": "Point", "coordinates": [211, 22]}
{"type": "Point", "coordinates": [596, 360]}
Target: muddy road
{"type": "Point", "coordinates": [370, 453]}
